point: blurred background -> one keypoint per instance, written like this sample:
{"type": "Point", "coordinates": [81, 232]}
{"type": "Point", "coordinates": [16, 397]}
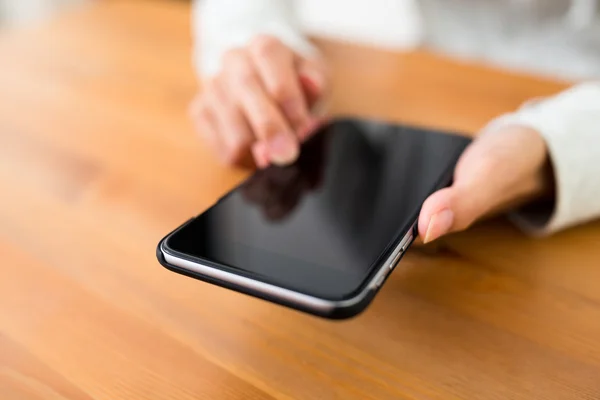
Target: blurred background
{"type": "Point", "coordinates": [18, 12]}
{"type": "Point", "coordinates": [559, 38]}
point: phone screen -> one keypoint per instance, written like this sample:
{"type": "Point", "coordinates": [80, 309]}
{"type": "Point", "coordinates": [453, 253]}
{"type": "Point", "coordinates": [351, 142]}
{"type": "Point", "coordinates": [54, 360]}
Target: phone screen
{"type": "Point", "coordinates": [321, 225]}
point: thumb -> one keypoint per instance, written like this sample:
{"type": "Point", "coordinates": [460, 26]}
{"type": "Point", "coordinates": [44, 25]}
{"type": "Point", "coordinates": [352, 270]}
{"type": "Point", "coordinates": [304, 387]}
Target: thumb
{"type": "Point", "coordinates": [449, 210]}
{"type": "Point", "coordinates": [501, 169]}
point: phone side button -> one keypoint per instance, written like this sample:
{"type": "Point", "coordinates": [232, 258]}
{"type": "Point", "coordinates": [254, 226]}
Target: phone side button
{"type": "Point", "coordinates": [405, 243]}
{"type": "Point", "coordinates": [379, 281]}
{"type": "Point", "coordinates": [394, 263]}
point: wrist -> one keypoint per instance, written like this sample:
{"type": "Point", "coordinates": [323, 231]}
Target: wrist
{"type": "Point", "coordinates": [537, 185]}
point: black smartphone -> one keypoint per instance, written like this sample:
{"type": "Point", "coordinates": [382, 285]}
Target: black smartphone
{"type": "Point", "coordinates": [321, 235]}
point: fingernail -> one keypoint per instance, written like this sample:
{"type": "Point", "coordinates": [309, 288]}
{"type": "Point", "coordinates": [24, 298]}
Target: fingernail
{"type": "Point", "coordinates": [283, 149]}
{"type": "Point", "coordinates": [439, 225]}
{"type": "Point", "coordinates": [259, 151]}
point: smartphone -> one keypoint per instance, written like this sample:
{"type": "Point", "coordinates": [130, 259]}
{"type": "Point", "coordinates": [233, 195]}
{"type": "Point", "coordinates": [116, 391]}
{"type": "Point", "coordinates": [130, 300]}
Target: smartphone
{"type": "Point", "coordinates": [320, 235]}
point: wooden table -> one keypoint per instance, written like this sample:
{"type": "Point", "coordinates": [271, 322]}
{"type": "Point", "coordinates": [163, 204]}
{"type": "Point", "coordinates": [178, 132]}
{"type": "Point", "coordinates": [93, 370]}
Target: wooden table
{"type": "Point", "coordinates": [98, 161]}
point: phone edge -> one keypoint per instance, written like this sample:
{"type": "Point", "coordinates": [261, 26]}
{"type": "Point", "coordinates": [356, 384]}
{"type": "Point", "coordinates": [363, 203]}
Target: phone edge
{"type": "Point", "coordinates": [331, 309]}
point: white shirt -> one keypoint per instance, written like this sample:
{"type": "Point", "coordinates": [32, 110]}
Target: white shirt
{"type": "Point", "coordinates": [569, 122]}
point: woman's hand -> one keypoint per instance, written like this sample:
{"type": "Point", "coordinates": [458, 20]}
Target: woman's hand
{"type": "Point", "coordinates": [260, 103]}
{"type": "Point", "coordinates": [501, 169]}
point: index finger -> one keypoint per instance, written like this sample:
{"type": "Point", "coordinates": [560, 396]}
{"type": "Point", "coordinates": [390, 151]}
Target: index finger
{"type": "Point", "coordinates": [275, 64]}
{"type": "Point", "coordinates": [265, 118]}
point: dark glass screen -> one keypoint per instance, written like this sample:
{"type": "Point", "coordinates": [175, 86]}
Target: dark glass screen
{"type": "Point", "coordinates": [321, 225]}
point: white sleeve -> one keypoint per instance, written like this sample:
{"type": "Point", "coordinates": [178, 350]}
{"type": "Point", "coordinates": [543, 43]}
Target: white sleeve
{"type": "Point", "coordinates": [570, 125]}
{"type": "Point", "coordinates": [220, 25]}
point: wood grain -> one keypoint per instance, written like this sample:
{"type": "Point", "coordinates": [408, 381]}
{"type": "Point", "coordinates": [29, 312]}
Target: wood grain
{"type": "Point", "coordinates": [98, 161]}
